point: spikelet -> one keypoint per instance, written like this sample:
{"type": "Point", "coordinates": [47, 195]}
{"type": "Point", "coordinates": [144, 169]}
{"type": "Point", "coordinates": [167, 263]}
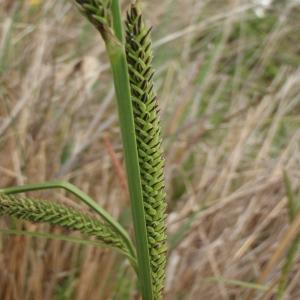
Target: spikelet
{"type": "Point", "coordinates": [53, 213]}
{"type": "Point", "coordinates": [98, 12]}
{"type": "Point", "coordinates": [148, 132]}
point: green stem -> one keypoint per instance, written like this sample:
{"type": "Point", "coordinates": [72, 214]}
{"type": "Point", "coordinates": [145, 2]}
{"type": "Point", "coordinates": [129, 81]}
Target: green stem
{"type": "Point", "coordinates": [117, 57]}
{"type": "Point", "coordinates": [82, 196]}
{"type": "Point", "coordinates": [117, 20]}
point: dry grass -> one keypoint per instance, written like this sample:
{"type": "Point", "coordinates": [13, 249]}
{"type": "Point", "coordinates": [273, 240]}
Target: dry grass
{"type": "Point", "coordinates": [229, 86]}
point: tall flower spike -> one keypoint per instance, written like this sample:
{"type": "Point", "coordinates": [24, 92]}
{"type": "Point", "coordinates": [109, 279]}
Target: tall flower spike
{"type": "Point", "coordinates": [148, 132]}
{"type": "Point", "coordinates": [34, 210]}
{"type": "Point", "coordinates": [98, 12]}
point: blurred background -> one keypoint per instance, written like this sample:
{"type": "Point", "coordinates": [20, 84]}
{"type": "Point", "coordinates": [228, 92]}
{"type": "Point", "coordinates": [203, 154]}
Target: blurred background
{"type": "Point", "coordinates": [228, 80]}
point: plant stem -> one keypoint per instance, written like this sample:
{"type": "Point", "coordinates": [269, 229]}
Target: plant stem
{"type": "Point", "coordinates": [117, 20]}
{"type": "Point", "coordinates": [119, 68]}
{"type": "Point", "coordinates": [82, 196]}
{"type": "Point", "coordinates": [116, 52]}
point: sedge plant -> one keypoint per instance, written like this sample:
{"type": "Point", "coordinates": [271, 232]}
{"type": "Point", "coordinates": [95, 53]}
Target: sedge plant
{"type": "Point", "coordinates": [130, 53]}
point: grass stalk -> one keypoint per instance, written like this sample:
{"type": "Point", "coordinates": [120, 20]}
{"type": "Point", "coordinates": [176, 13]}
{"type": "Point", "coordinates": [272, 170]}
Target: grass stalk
{"type": "Point", "coordinates": [105, 15]}
{"type": "Point", "coordinates": [117, 20]}
{"type": "Point", "coordinates": [147, 196]}
{"type": "Point", "coordinates": [119, 66]}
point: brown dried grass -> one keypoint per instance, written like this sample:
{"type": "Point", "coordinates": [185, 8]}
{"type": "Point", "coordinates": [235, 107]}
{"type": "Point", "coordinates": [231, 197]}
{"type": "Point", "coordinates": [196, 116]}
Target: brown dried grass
{"type": "Point", "coordinates": [225, 177]}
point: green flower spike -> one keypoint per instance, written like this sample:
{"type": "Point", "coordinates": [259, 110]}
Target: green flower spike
{"type": "Point", "coordinates": [148, 132]}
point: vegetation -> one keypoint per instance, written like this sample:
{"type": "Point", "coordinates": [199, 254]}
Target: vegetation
{"type": "Point", "coordinates": [143, 156]}
{"type": "Point", "coordinates": [227, 82]}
